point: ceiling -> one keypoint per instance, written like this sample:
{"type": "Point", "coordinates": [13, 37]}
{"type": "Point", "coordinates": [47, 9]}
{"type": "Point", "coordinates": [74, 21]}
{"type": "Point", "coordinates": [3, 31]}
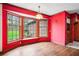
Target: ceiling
{"type": "Point", "coordinates": [50, 8]}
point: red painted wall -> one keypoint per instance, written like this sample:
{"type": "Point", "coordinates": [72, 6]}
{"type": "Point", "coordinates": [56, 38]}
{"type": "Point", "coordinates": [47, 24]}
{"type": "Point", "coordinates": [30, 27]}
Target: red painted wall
{"type": "Point", "coordinates": [58, 28]}
{"type": "Point", "coordinates": [6, 46]}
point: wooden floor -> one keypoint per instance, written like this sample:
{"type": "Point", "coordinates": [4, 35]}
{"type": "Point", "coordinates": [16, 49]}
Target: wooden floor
{"type": "Point", "coordinates": [43, 49]}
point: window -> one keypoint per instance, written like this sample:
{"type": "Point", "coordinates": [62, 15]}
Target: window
{"type": "Point", "coordinates": [13, 27]}
{"type": "Point", "coordinates": [20, 27]}
{"type": "Point", "coordinates": [43, 28]}
{"type": "Point", "coordinates": [29, 28]}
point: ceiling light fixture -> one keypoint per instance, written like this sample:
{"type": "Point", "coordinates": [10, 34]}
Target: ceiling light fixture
{"type": "Point", "coordinates": [39, 15]}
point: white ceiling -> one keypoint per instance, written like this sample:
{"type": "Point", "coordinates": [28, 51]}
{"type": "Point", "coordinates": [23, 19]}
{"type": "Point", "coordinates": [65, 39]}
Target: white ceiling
{"type": "Point", "coordinates": [50, 8]}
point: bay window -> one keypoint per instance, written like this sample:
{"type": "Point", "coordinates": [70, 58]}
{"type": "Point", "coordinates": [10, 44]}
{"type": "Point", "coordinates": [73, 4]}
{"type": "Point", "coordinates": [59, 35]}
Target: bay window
{"type": "Point", "coordinates": [20, 27]}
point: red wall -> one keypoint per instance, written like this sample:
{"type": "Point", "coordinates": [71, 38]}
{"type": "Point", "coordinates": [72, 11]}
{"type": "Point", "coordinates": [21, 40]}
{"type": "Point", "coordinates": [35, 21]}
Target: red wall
{"type": "Point", "coordinates": [58, 28]}
{"type": "Point", "coordinates": [6, 46]}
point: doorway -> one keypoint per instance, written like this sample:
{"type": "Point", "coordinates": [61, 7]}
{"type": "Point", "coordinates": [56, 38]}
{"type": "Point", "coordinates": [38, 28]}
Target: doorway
{"type": "Point", "coordinates": [75, 42]}
{"type": "Point", "coordinates": [76, 32]}
{"type": "Point", "coordinates": [68, 30]}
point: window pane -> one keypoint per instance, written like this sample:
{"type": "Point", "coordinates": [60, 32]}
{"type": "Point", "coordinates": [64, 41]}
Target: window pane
{"type": "Point", "coordinates": [17, 26]}
{"type": "Point", "coordinates": [10, 27]}
{"type": "Point", "coordinates": [43, 27]}
{"type": "Point", "coordinates": [13, 27]}
{"type": "Point", "coordinates": [29, 28]}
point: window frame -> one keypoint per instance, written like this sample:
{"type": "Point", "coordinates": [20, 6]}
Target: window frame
{"type": "Point", "coordinates": [13, 14]}
{"type": "Point", "coordinates": [35, 31]}
{"type": "Point", "coordinates": [46, 28]}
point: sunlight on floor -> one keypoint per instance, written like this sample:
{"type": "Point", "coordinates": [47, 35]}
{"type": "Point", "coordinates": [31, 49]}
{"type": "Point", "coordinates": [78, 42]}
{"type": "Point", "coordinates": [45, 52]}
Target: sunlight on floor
{"type": "Point", "coordinates": [75, 44]}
